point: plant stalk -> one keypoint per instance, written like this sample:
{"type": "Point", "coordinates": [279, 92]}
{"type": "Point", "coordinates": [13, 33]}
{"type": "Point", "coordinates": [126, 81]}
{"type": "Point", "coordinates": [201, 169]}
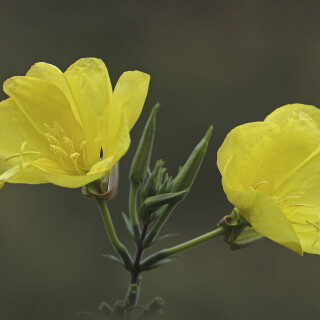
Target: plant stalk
{"type": "Point", "coordinates": [117, 245]}
{"type": "Point", "coordinates": [164, 253]}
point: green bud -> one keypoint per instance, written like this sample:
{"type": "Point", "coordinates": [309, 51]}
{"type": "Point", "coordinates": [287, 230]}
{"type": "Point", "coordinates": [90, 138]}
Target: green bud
{"type": "Point", "coordinates": [141, 159]}
{"type": "Point", "coordinates": [188, 172]}
{"type": "Point", "coordinates": [150, 186]}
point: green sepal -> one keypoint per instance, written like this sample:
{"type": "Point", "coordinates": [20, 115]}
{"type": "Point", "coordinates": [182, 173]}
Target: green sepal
{"type": "Point", "coordinates": [240, 233]}
{"type": "Point", "coordinates": [244, 238]}
{"type": "Point", "coordinates": [105, 188]}
{"type": "Point", "coordinates": [141, 159]}
{"type": "Point", "coordinates": [188, 172]}
{"type": "Point", "coordinates": [161, 262]}
{"type": "Point", "coordinates": [113, 258]}
{"type": "Point", "coordinates": [88, 315]}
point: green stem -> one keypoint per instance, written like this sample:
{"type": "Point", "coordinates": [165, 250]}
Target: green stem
{"type": "Point", "coordinates": [133, 210]}
{"type": "Point", "coordinates": [164, 253]}
{"type": "Point", "coordinates": [117, 245]}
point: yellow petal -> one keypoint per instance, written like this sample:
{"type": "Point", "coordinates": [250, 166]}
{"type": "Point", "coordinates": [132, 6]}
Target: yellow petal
{"type": "Point", "coordinates": [265, 217]}
{"type": "Point", "coordinates": [281, 162]}
{"type": "Point", "coordinates": [46, 171]}
{"type": "Point", "coordinates": [90, 86]}
{"type": "Point", "coordinates": [114, 150]}
{"type": "Point", "coordinates": [281, 115]}
{"type": "Point", "coordinates": [130, 94]}
{"type": "Point", "coordinates": [16, 129]}
{"type": "Point", "coordinates": [43, 104]}
{"type": "Point", "coordinates": [261, 155]}
{"type": "Point", "coordinates": [52, 74]}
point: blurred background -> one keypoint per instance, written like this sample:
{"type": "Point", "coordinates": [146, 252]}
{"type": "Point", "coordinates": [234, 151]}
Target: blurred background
{"type": "Point", "coordinates": [211, 62]}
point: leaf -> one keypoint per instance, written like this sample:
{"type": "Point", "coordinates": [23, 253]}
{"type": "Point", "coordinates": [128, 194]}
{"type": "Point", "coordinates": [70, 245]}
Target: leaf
{"type": "Point", "coordinates": [128, 224]}
{"type": "Point", "coordinates": [162, 262]}
{"type": "Point", "coordinates": [155, 202]}
{"type": "Point", "coordinates": [112, 257]}
{"type": "Point", "coordinates": [169, 235]}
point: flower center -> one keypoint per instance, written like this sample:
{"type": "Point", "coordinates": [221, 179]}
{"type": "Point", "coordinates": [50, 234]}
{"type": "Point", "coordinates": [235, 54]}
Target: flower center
{"type": "Point", "coordinates": [70, 158]}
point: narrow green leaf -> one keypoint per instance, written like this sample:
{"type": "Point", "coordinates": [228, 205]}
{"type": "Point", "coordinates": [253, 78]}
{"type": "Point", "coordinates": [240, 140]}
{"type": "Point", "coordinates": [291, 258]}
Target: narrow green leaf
{"type": "Point", "coordinates": [128, 224]}
{"type": "Point", "coordinates": [169, 235]}
{"type": "Point", "coordinates": [113, 258]}
{"type": "Point", "coordinates": [154, 202]}
{"type": "Point", "coordinates": [162, 262]}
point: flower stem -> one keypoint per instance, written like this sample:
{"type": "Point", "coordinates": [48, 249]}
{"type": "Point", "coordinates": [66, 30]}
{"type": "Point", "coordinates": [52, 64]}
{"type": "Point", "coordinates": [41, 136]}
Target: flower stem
{"type": "Point", "coordinates": [133, 210]}
{"type": "Point", "coordinates": [164, 253]}
{"type": "Point", "coordinates": [117, 245]}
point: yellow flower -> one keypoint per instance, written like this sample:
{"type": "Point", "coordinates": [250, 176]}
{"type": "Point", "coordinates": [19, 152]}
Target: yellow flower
{"type": "Point", "coordinates": [271, 173]}
{"type": "Point", "coordinates": [67, 128]}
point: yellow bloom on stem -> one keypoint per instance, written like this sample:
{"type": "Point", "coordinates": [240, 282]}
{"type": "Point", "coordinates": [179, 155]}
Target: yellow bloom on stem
{"type": "Point", "coordinates": [271, 173]}
{"type": "Point", "coordinates": [67, 128]}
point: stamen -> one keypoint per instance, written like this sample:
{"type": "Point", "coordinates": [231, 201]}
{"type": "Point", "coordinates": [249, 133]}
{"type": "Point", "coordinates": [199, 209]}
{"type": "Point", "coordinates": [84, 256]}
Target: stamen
{"type": "Point", "coordinates": [58, 150]}
{"type": "Point", "coordinates": [65, 150]}
{"type": "Point", "coordinates": [257, 185]}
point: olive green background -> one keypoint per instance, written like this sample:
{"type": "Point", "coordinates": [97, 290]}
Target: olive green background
{"type": "Point", "coordinates": [211, 62]}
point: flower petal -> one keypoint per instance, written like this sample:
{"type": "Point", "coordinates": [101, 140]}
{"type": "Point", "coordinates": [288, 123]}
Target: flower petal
{"type": "Point", "coordinates": [262, 154]}
{"type": "Point", "coordinates": [130, 94]}
{"type": "Point", "coordinates": [43, 104]}
{"type": "Point", "coordinates": [90, 86]}
{"type": "Point", "coordinates": [46, 171]}
{"type": "Point", "coordinates": [281, 114]}
{"type": "Point", "coordinates": [52, 74]}
{"type": "Point", "coordinates": [16, 129]}
{"type": "Point", "coordinates": [265, 216]}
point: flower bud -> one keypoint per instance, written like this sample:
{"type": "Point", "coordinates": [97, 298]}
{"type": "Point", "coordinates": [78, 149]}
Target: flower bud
{"type": "Point", "coordinates": [141, 159]}
{"type": "Point", "coordinates": [188, 172]}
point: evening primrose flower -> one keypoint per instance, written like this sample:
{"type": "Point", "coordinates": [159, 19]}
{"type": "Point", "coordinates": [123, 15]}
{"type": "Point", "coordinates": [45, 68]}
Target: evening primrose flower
{"type": "Point", "coordinates": [67, 128]}
{"type": "Point", "coordinates": [271, 174]}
